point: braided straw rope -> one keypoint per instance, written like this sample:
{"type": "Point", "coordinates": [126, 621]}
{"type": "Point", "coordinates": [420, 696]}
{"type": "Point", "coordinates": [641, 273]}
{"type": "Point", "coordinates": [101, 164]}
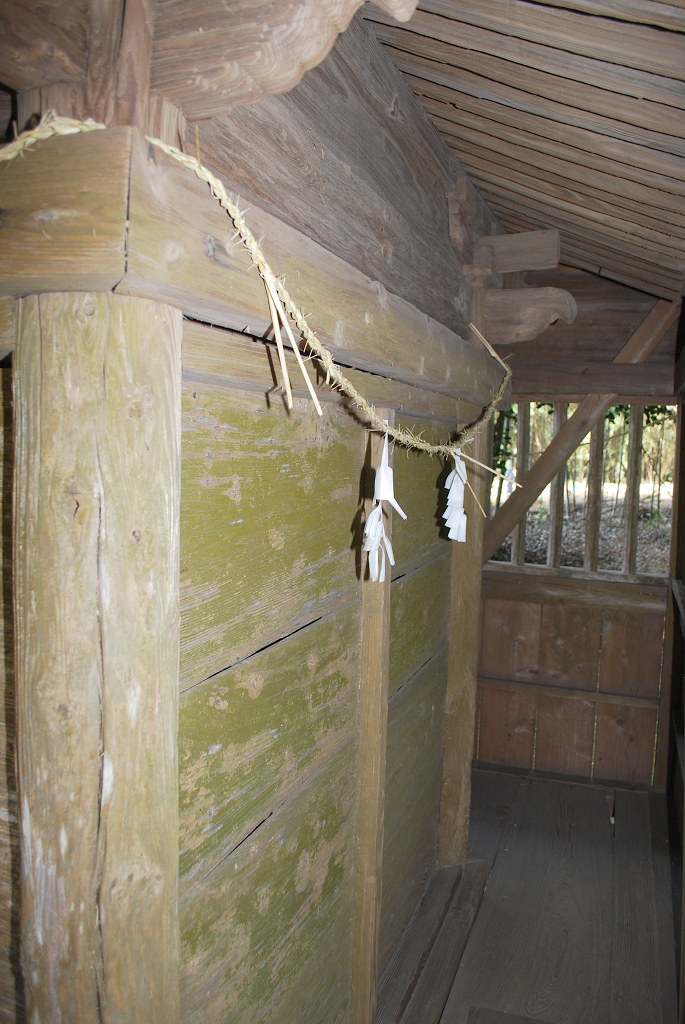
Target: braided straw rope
{"type": "Point", "coordinates": [51, 124]}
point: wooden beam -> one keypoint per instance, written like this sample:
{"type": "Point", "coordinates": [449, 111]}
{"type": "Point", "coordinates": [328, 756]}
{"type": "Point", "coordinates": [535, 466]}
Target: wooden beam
{"type": "Point", "coordinates": [593, 512]}
{"type": "Point", "coordinates": [633, 480]}
{"type": "Point", "coordinates": [641, 343]}
{"type": "Point", "coordinates": [524, 250]}
{"type": "Point", "coordinates": [373, 727]}
{"type": "Point", "coordinates": [584, 378]}
{"type": "Point", "coordinates": [556, 498]}
{"type": "Point", "coordinates": [133, 63]}
{"type": "Point", "coordinates": [518, 537]}
{"type": "Point", "coordinates": [519, 314]}
{"type": "Point", "coordinates": [147, 226]}
{"type": "Point", "coordinates": [96, 605]}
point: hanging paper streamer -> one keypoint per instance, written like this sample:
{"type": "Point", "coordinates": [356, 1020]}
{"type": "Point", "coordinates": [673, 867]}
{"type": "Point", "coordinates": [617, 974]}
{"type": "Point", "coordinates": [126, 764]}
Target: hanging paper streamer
{"type": "Point", "coordinates": [454, 515]}
{"type": "Point", "coordinates": [377, 543]}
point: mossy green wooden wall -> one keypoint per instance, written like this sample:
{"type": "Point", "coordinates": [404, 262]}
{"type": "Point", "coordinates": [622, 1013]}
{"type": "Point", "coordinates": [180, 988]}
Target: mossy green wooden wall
{"type": "Point", "coordinates": [270, 676]}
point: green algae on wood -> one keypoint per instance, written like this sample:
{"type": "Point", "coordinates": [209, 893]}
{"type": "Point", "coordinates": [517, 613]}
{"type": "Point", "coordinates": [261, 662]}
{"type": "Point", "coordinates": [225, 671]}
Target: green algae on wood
{"type": "Point", "coordinates": [249, 736]}
{"type": "Point", "coordinates": [419, 488]}
{"type": "Point", "coordinates": [419, 611]}
{"type": "Point", "coordinates": [268, 507]}
{"type": "Point", "coordinates": [270, 927]}
{"type": "Point", "coordinates": [412, 797]}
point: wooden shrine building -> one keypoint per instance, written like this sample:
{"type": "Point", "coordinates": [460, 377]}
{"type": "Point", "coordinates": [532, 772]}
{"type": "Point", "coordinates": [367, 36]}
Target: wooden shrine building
{"type": "Point", "coordinates": [235, 770]}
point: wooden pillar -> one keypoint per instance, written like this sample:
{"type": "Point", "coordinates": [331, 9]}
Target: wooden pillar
{"type": "Point", "coordinates": [96, 593]}
{"type": "Point", "coordinates": [593, 514]}
{"type": "Point", "coordinates": [556, 497]}
{"type": "Point", "coordinates": [489, 441]}
{"type": "Point", "coordinates": [633, 478]}
{"type": "Point", "coordinates": [373, 728]}
{"type": "Point", "coordinates": [518, 537]}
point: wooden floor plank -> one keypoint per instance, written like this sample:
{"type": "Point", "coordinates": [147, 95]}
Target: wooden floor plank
{"type": "Point", "coordinates": [546, 914]}
{"type": "Point", "coordinates": [661, 861]}
{"type": "Point", "coordinates": [491, 798]}
{"type": "Point", "coordinates": [433, 987]}
{"type": "Point", "coordinates": [480, 1015]}
{"type": "Point", "coordinates": [399, 980]}
{"type": "Point", "coordinates": [635, 985]}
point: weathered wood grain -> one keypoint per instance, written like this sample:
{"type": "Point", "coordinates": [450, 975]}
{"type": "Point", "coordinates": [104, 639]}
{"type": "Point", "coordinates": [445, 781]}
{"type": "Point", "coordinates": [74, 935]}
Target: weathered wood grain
{"type": "Point", "coordinates": [133, 63]}
{"type": "Point", "coordinates": [269, 927]}
{"type": "Point", "coordinates": [510, 646]}
{"type": "Point", "coordinates": [506, 726]}
{"type": "Point", "coordinates": [7, 324]}
{"type": "Point", "coordinates": [419, 613]}
{"type": "Point", "coordinates": [593, 508]}
{"type": "Point", "coordinates": [319, 157]}
{"type": "Point", "coordinates": [11, 982]}
{"type": "Point", "coordinates": [371, 761]}
{"type": "Point", "coordinates": [635, 983]}
{"type": "Point", "coordinates": [412, 801]}
{"type": "Point", "coordinates": [535, 929]}
{"type": "Point", "coordinates": [243, 361]}
{"type": "Point", "coordinates": [631, 651]}
{"type": "Point", "coordinates": [518, 314]}
{"type": "Point", "coordinates": [624, 743]}
{"type": "Point", "coordinates": [595, 696]}
{"type": "Point", "coordinates": [63, 230]}
{"type": "Point", "coordinates": [259, 559]}
{"type": "Point", "coordinates": [569, 646]}
{"type": "Point", "coordinates": [179, 250]}
{"type": "Point", "coordinates": [556, 497]}
{"type": "Point", "coordinates": [528, 250]}
{"type": "Point", "coordinates": [419, 488]}
{"type": "Point", "coordinates": [42, 42]}
{"type": "Point", "coordinates": [245, 53]}
{"type": "Point", "coordinates": [564, 734]}
{"type": "Point", "coordinates": [405, 969]}
{"type": "Point", "coordinates": [574, 587]}
{"type": "Point", "coordinates": [553, 379]}
{"type": "Point", "coordinates": [249, 736]}
{"type": "Point", "coordinates": [432, 991]}
{"type": "Point", "coordinates": [97, 482]}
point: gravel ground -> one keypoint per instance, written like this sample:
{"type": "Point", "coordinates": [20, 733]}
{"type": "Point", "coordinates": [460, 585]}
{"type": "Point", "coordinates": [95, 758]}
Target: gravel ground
{"type": "Point", "coordinates": [654, 537]}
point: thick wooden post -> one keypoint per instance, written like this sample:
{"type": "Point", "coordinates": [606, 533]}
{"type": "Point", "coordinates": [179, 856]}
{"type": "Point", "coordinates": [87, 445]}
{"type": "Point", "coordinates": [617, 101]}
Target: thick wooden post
{"type": "Point", "coordinates": [96, 591]}
{"type": "Point", "coordinates": [595, 476]}
{"type": "Point", "coordinates": [556, 497]}
{"type": "Point", "coordinates": [373, 728]}
{"type": "Point", "coordinates": [518, 537]}
{"type": "Point", "coordinates": [633, 478]}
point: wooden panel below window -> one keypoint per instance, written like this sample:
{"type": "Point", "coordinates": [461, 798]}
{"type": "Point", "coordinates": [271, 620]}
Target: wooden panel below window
{"type": "Point", "coordinates": [510, 640]}
{"type": "Point", "coordinates": [569, 646]}
{"type": "Point", "coordinates": [624, 744]}
{"type": "Point", "coordinates": [506, 727]}
{"type": "Point", "coordinates": [564, 734]}
{"type": "Point", "coordinates": [630, 658]}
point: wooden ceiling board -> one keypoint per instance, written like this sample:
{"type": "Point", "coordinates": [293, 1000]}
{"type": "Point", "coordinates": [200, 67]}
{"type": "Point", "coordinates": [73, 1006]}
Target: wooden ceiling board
{"type": "Point", "coordinates": [565, 114]}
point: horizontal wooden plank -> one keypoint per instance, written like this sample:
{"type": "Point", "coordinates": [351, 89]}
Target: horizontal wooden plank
{"type": "Point", "coordinates": [412, 798]}
{"type": "Point", "coordinates": [269, 928]}
{"type": "Point", "coordinates": [173, 242]}
{"type": "Point", "coordinates": [62, 230]}
{"type": "Point", "coordinates": [532, 54]}
{"type": "Point", "coordinates": [242, 361]}
{"type": "Point", "coordinates": [564, 734]}
{"type": "Point", "coordinates": [643, 12]}
{"type": "Point", "coordinates": [180, 252]}
{"type": "Point", "coordinates": [574, 586]}
{"type": "Point", "coordinates": [570, 638]}
{"type": "Point", "coordinates": [258, 558]}
{"type": "Point", "coordinates": [635, 46]}
{"type": "Point", "coordinates": [563, 378]}
{"type": "Point", "coordinates": [546, 135]}
{"type": "Point", "coordinates": [398, 982]}
{"type": "Point", "coordinates": [506, 724]}
{"type": "Point", "coordinates": [625, 739]}
{"type": "Point", "coordinates": [251, 736]}
{"type": "Point", "coordinates": [476, 78]}
{"type": "Point", "coordinates": [419, 610]}
{"type": "Point", "coordinates": [595, 697]}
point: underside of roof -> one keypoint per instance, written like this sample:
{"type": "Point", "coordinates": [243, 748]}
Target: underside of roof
{"type": "Point", "coordinates": [568, 114]}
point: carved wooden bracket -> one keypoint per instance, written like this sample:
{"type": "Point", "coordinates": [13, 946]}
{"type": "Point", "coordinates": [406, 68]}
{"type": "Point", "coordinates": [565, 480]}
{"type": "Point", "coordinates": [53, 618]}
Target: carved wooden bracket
{"type": "Point", "coordinates": [519, 314]}
{"type": "Point", "coordinates": [210, 57]}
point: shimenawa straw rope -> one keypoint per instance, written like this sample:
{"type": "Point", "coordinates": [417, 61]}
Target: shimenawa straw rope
{"type": "Point", "coordinates": [279, 299]}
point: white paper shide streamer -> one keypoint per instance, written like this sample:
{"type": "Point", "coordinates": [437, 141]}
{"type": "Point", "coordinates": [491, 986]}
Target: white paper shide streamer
{"type": "Point", "coordinates": [454, 515]}
{"type": "Point", "coordinates": [377, 543]}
